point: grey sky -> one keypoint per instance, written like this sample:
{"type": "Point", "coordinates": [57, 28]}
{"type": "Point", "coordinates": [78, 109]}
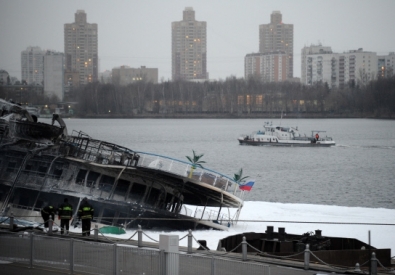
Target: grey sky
{"type": "Point", "coordinates": [138, 32]}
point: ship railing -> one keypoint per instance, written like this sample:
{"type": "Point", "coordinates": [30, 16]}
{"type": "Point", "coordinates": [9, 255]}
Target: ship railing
{"type": "Point", "coordinates": [212, 215]}
{"type": "Point", "coordinates": [101, 152]}
{"type": "Point", "coordinates": [187, 169]}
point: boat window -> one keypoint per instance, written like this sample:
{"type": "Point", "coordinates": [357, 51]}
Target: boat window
{"type": "Point", "coordinates": [42, 170]}
{"type": "Point", "coordinates": [121, 189]}
{"type": "Point", "coordinates": [137, 192]}
{"type": "Point", "coordinates": [106, 183]}
{"type": "Point", "coordinates": [92, 177]}
{"type": "Point", "coordinates": [28, 168]}
{"type": "Point", "coordinates": [108, 216]}
{"type": "Point", "coordinates": [57, 173]}
{"type": "Point", "coordinates": [153, 196]}
{"type": "Point", "coordinates": [26, 198]}
{"type": "Point", "coordinates": [58, 169]}
{"type": "Point", "coordinates": [81, 177]}
{"type": "Point", "coordinates": [11, 166]}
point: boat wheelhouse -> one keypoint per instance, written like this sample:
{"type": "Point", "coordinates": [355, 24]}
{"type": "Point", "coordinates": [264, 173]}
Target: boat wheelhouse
{"type": "Point", "coordinates": [277, 135]}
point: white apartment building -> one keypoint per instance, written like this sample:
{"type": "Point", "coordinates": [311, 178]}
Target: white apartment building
{"type": "Point", "coordinates": [54, 74]}
{"type": "Point", "coordinates": [267, 67]}
{"type": "Point", "coordinates": [311, 50]}
{"type": "Point", "coordinates": [189, 47]}
{"type": "Point", "coordinates": [32, 65]}
{"type": "Point", "coordinates": [320, 64]}
{"type": "Point", "coordinates": [386, 65]}
{"type": "Point", "coordinates": [81, 49]}
{"type": "Point", "coordinates": [125, 75]}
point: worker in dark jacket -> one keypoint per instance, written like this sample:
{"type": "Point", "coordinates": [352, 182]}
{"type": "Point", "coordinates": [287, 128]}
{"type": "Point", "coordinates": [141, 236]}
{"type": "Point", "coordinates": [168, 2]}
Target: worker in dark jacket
{"type": "Point", "coordinates": [46, 213]}
{"type": "Point", "coordinates": [85, 214]}
{"type": "Point", "coordinates": [65, 212]}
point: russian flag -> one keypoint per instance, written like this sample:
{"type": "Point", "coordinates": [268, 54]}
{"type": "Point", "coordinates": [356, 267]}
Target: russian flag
{"type": "Point", "coordinates": [247, 186]}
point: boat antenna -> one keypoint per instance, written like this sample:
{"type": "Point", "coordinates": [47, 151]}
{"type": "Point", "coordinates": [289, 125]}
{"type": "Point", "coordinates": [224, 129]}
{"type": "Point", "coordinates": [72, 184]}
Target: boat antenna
{"type": "Point", "coordinates": [281, 117]}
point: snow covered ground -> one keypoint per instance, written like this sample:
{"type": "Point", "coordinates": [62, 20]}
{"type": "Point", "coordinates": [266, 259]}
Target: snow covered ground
{"type": "Point", "coordinates": [334, 223]}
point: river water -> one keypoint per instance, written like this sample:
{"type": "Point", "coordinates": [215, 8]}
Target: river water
{"type": "Point", "coordinates": [358, 171]}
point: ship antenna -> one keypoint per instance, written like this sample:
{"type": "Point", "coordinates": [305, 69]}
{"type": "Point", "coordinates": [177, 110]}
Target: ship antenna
{"type": "Point", "coordinates": [281, 117]}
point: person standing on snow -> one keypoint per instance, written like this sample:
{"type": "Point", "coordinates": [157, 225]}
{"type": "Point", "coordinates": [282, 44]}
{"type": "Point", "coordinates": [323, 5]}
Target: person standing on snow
{"type": "Point", "coordinates": [85, 214]}
{"type": "Point", "coordinates": [65, 212]}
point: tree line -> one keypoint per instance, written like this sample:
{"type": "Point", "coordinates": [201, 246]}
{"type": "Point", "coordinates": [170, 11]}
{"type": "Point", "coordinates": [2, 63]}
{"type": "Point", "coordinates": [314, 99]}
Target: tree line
{"type": "Point", "coordinates": [234, 97]}
{"type": "Point", "coordinates": [229, 98]}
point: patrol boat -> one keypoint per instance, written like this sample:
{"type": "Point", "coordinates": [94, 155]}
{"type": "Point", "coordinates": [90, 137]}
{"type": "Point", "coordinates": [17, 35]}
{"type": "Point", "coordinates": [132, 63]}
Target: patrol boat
{"type": "Point", "coordinates": [277, 135]}
{"type": "Point", "coordinates": [41, 163]}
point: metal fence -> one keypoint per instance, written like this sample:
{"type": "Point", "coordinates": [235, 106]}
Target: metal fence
{"type": "Point", "coordinates": [78, 256]}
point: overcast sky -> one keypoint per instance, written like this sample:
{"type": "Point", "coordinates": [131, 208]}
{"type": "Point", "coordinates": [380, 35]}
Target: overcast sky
{"type": "Point", "coordinates": [138, 32]}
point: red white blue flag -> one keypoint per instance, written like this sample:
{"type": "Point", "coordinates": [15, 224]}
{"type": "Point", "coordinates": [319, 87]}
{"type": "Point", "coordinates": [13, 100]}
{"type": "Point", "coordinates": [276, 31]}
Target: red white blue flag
{"type": "Point", "coordinates": [247, 186]}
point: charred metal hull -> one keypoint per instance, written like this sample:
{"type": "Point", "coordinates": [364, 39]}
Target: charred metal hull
{"type": "Point", "coordinates": [32, 130]}
{"type": "Point", "coordinates": [288, 143]}
{"type": "Point", "coordinates": [41, 163]}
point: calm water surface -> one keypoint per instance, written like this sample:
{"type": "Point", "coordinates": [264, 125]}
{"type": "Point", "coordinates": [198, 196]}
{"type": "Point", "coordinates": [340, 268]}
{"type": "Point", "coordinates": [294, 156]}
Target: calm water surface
{"type": "Point", "coordinates": [358, 171]}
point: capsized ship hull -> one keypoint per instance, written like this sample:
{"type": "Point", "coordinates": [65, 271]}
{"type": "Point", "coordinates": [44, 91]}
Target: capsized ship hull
{"type": "Point", "coordinates": [126, 187]}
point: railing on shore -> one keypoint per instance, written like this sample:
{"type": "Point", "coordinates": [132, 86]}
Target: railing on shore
{"type": "Point", "coordinates": [89, 257]}
{"type": "Point", "coordinates": [115, 256]}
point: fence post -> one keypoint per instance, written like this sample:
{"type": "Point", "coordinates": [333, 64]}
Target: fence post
{"type": "Point", "coordinates": [12, 222]}
{"type": "Point", "coordinates": [373, 265]}
{"type": "Point", "coordinates": [307, 257]}
{"type": "Point", "coordinates": [96, 232]}
{"type": "Point", "coordinates": [169, 243]}
{"type": "Point", "coordinates": [50, 225]}
{"type": "Point", "coordinates": [244, 248]}
{"type": "Point", "coordinates": [357, 268]}
{"type": "Point", "coordinates": [115, 265]}
{"type": "Point", "coordinates": [162, 262]}
{"type": "Point", "coordinates": [212, 265]}
{"type": "Point", "coordinates": [71, 255]}
{"type": "Point", "coordinates": [189, 241]}
{"type": "Point", "coordinates": [139, 237]}
{"type": "Point", "coordinates": [31, 249]}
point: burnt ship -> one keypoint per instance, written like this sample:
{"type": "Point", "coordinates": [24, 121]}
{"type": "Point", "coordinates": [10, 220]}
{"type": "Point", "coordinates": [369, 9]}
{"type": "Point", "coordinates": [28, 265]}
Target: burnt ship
{"type": "Point", "coordinates": [41, 163]}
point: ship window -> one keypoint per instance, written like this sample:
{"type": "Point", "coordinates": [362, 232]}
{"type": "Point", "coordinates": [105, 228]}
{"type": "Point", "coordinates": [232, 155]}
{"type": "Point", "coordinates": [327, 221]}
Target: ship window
{"type": "Point", "coordinates": [11, 166]}
{"type": "Point", "coordinates": [153, 196]}
{"type": "Point", "coordinates": [138, 190]}
{"type": "Point", "coordinates": [28, 168]}
{"type": "Point", "coordinates": [121, 189]}
{"type": "Point", "coordinates": [42, 170]}
{"type": "Point", "coordinates": [92, 177]}
{"type": "Point", "coordinates": [105, 186]}
{"type": "Point", "coordinates": [57, 173]}
{"type": "Point", "coordinates": [58, 169]}
{"type": "Point", "coordinates": [108, 216]}
{"type": "Point", "coordinates": [81, 177]}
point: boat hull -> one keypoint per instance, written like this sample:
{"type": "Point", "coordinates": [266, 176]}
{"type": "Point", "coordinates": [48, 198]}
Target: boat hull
{"type": "Point", "coordinates": [288, 143]}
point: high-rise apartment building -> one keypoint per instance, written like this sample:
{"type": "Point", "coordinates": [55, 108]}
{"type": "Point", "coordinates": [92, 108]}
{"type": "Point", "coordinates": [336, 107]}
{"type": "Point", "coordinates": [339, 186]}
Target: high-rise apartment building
{"type": "Point", "coordinates": [54, 74]}
{"type": "Point", "coordinates": [307, 69]}
{"type": "Point", "coordinates": [277, 37]}
{"type": "Point", "coordinates": [81, 49]}
{"type": "Point", "coordinates": [32, 64]}
{"type": "Point", "coordinates": [189, 47]}
{"type": "Point", "coordinates": [320, 65]}
{"type": "Point", "coordinates": [267, 67]}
